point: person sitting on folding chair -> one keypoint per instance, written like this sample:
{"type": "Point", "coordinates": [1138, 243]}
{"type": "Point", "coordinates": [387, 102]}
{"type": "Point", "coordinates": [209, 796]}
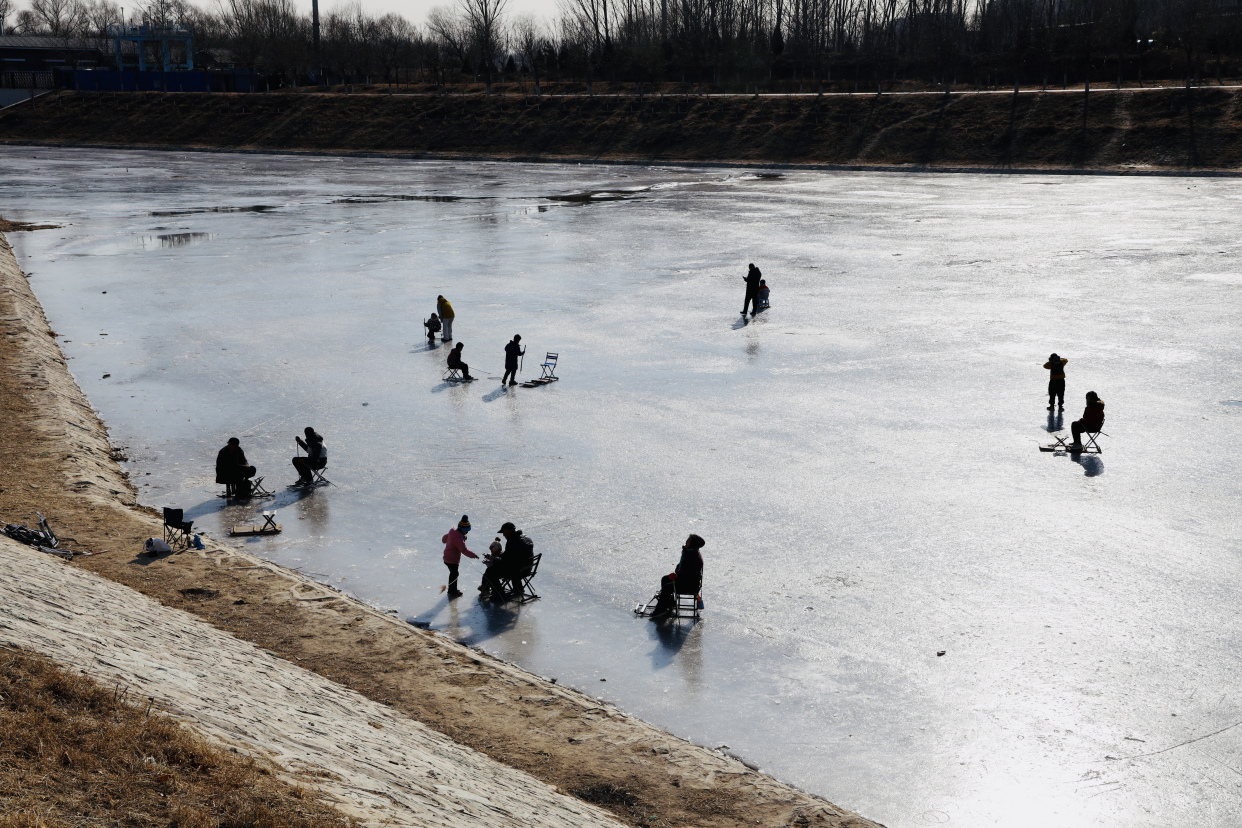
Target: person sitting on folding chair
{"type": "Point", "coordinates": [764, 293]}
{"type": "Point", "coordinates": [316, 457]}
{"type": "Point", "coordinates": [433, 327]}
{"type": "Point", "coordinates": [232, 470]}
{"type": "Point", "coordinates": [503, 574]}
{"type": "Point", "coordinates": [686, 579]}
{"type": "Point", "coordinates": [454, 361]}
{"type": "Point", "coordinates": [1092, 420]}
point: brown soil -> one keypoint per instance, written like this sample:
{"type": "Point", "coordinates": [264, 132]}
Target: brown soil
{"type": "Point", "coordinates": [1127, 130]}
{"type": "Point", "coordinates": [7, 226]}
{"type": "Point", "coordinates": [74, 753]}
{"type": "Point", "coordinates": [55, 459]}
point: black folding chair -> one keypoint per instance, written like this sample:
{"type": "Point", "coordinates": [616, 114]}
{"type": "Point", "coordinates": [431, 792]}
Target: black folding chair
{"type": "Point", "coordinates": [685, 604]}
{"type": "Point", "coordinates": [176, 529]}
{"type": "Point", "coordinates": [1064, 443]}
{"type": "Point", "coordinates": [520, 588]}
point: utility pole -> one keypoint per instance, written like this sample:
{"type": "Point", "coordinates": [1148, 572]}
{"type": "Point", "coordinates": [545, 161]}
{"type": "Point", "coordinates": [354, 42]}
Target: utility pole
{"type": "Point", "coordinates": [315, 27]}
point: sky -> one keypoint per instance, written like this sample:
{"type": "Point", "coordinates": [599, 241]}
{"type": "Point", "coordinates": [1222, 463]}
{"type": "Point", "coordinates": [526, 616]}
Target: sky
{"type": "Point", "coordinates": [416, 10]}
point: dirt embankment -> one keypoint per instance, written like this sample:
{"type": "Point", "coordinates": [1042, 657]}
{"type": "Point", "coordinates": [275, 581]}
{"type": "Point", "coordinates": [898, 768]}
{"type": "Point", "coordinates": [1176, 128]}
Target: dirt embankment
{"type": "Point", "coordinates": [74, 752]}
{"type": "Point", "coordinates": [1127, 130]}
{"type": "Point", "coordinates": [55, 458]}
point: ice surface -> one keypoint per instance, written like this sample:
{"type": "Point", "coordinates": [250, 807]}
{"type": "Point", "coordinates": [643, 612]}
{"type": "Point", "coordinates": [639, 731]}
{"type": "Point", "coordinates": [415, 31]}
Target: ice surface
{"type": "Point", "coordinates": [861, 459]}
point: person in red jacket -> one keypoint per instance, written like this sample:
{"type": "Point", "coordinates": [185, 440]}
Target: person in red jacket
{"type": "Point", "coordinates": [454, 548]}
{"type": "Point", "coordinates": [1092, 420]}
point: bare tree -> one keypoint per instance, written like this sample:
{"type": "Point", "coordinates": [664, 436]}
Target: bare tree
{"type": "Point", "coordinates": [59, 18]}
{"type": "Point", "coordinates": [6, 8]}
{"type": "Point", "coordinates": [453, 34]}
{"type": "Point", "coordinates": [98, 16]}
{"type": "Point", "coordinates": [485, 18]}
{"type": "Point", "coordinates": [530, 40]}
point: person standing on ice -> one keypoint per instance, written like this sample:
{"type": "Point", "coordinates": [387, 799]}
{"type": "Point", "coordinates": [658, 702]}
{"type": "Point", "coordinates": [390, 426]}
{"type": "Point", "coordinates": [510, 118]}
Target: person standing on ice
{"type": "Point", "coordinates": [454, 548]}
{"type": "Point", "coordinates": [512, 351]}
{"type": "Point", "coordinates": [752, 279]}
{"type": "Point", "coordinates": [446, 317]}
{"type": "Point", "coordinates": [1056, 379]}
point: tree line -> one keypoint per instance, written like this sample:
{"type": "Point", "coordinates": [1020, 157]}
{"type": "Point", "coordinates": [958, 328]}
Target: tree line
{"type": "Point", "coordinates": [712, 45]}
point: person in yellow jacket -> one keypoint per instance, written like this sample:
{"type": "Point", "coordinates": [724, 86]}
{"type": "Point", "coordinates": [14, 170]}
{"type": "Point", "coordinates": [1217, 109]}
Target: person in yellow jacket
{"type": "Point", "coordinates": [446, 316]}
{"type": "Point", "coordinates": [1056, 380]}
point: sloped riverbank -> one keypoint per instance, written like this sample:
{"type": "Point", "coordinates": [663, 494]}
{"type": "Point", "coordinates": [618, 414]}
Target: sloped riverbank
{"type": "Point", "coordinates": [1144, 130]}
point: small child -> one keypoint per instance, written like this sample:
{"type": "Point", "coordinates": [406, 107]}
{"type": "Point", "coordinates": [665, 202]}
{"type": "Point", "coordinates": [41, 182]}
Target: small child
{"type": "Point", "coordinates": [433, 327]}
{"type": "Point", "coordinates": [763, 294]}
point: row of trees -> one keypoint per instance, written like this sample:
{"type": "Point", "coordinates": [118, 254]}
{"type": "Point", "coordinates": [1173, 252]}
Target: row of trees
{"type": "Point", "coordinates": [733, 44]}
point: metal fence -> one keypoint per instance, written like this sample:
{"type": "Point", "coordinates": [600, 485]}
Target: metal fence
{"type": "Point", "coordinates": [27, 80]}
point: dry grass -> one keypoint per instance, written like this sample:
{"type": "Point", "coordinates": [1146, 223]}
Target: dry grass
{"type": "Point", "coordinates": [75, 753]}
{"type": "Point", "coordinates": [1171, 129]}
{"type": "Point", "coordinates": [7, 226]}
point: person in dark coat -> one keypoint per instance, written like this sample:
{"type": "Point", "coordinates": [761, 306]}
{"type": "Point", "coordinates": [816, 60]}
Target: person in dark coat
{"type": "Point", "coordinates": [433, 327]}
{"type": "Point", "coordinates": [454, 361]}
{"type": "Point", "coordinates": [501, 574]}
{"type": "Point", "coordinates": [512, 351]}
{"type": "Point", "coordinates": [1092, 420]}
{"type": "Point", "coordinates": [686, 579]}
{"type": "Point", "coordinates": [1056, 379]}
{"type": "Point", "coordinates": [752, 279]}
{"type": "Point", "coordinates": [231, 466]}
{"type": "Point", "coordinates": [316, 456]}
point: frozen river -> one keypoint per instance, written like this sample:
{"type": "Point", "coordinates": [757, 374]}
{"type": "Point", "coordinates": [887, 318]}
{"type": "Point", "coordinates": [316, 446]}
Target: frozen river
{"type": "Point", "coordinates": [862, 459]}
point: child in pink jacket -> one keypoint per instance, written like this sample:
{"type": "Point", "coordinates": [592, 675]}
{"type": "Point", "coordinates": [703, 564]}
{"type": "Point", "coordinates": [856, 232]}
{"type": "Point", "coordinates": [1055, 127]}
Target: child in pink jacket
{"type": "Point", "coordinates": [454, 548]}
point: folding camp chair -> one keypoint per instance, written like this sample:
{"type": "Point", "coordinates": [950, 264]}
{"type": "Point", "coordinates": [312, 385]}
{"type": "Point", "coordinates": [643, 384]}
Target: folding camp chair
{"type": "Point", "coordinates": [520, 587]}
{"type": "Point", "coordinates": [317, 480]}
{"type": "Point", "coordinates": [454, 375]}
{"type": "Point", "coordinates": [232, 490]}
{"type": "Point", "coordinates": [177, 529]}
{"type": "Point", "coordinates": [549, 367]}
{"type": "Point", "coordinates": [1089, 446]}
{"type": "Point", "coordinates": [685, 604]}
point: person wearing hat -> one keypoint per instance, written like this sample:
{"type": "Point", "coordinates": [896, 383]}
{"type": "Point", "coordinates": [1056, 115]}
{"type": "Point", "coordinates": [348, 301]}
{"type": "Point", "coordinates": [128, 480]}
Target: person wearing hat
{"type": "Point", "coordinates": [316, 457]}
{"type": "Point", "coordinates": [1092, 420]}
{"type": "Point", "coordinates": [512, 351]}
{"type": "Point", "coordinates": [446, 317]}
{"type": "Point", "coordinates": [455, 361]}
{"type": "Point", "coordinates": [686, 579]}
{"type": "Point", "coordinates": [454, 548]}
{"type": "Point", "coordinates": [233, 470]}
{"type": "Point", "coordinates": [500, 574]}
{"type": "Point", "coordinates": [1056, 379]}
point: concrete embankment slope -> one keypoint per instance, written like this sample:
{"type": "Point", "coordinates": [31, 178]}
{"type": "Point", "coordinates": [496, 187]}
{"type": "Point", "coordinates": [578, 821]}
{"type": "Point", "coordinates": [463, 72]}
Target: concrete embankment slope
{"type": "Point", "coordinates": [55, 459]}
{"type": "Point", "coordinates": [361, 756]}
{"type": "Point", "coordinates": [1128, 130]}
